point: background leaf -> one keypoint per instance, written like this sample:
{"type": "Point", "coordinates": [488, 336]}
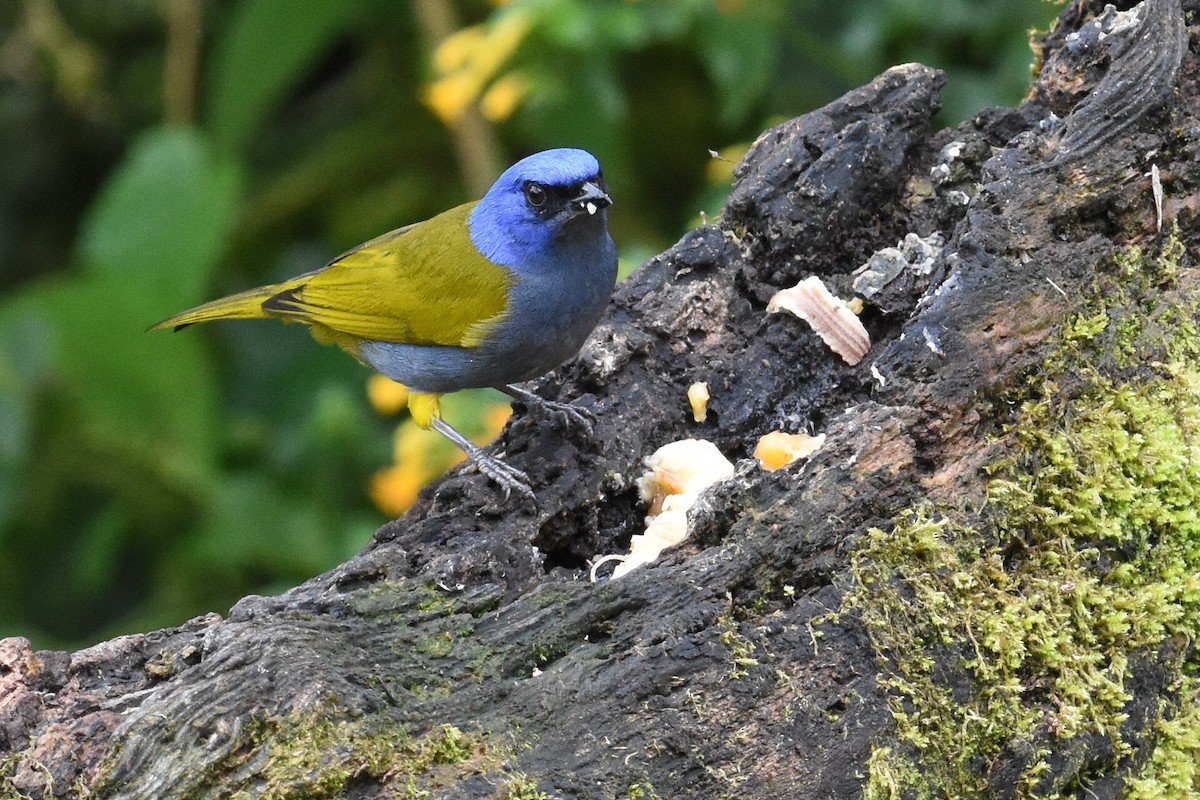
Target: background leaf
{"type": "Point", "coordinates": [265, 51]}
{"type": "Point", "coordinates": [163, 219]}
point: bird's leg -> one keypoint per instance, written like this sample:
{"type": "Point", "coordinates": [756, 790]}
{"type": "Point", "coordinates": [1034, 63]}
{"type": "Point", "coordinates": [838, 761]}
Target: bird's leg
{"type": "Point", "coordinates": [508, 477]}
{"type": "Point", "coordinates": [426, 411]}
{"type": "Point", "coordinates": [567, 414]}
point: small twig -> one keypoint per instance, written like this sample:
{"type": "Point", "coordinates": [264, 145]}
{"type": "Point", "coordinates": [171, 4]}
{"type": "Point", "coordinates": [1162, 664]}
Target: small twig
{"type": "Point", "coordinates": [181, 64]}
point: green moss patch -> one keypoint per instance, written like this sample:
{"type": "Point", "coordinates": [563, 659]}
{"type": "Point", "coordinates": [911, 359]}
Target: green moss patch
{"type": "Point", "coordinates": [312, 756]}
{"type": "Point", "coordinates": [1010, 633]}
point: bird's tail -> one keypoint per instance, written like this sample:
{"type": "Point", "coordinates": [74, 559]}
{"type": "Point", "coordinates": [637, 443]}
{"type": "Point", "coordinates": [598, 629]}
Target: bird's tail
{"type": "Point", "coordinates": [243, 305]}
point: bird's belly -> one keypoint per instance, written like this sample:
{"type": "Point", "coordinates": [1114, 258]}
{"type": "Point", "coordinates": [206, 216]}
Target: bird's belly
{"type": "Point", "coordinates": [508, 357]}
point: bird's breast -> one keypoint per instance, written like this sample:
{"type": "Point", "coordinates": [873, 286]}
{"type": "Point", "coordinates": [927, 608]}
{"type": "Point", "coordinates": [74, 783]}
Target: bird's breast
{"type": "Point", "coordinates": [551, 312]}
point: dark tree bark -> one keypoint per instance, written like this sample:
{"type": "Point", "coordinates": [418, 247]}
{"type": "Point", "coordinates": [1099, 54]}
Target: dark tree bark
{"type": "Point", "coordinates": [858, 624]}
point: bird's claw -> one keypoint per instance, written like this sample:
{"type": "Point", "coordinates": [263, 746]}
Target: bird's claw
{"type": "Point", "coordinates": [566, 414]}
{"type": "Point", "coordinates": [506, 475]}
{"type": "Point", "coordinates": [509, 477]}
{"type": "Point", "coordinates": [570, 416]}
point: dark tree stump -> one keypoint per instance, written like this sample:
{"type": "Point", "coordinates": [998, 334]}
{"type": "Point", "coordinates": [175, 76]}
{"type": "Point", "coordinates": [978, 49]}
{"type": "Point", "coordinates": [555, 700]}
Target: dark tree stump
{"type": "Point", "coordinates": [980, 586]}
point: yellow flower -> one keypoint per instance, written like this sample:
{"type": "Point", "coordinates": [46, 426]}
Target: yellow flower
{"type": "Point", "coordinates": [469, 60]}
{"type": "Point", "coordinates": [449, 97]}
{"type": "Point", "coordinates": [493, 422]}
{"type": "Point", "coordinates": [455, 50]}
{"type": "Point", "coordinates": [419, 457]}
{"type": "Point", "coordinates": [505, 95]}
{"type": "Point", "coordinates": [386, 396]}
{"type": "Point", "coordinates": [394, 488]}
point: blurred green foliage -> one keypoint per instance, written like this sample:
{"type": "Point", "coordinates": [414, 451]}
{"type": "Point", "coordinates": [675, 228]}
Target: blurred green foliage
{"type": "Point", "coordinates": [158, 153]}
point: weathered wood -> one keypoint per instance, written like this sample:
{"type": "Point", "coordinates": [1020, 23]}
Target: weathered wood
{"type": "Point", "coordinates": [464, 653]}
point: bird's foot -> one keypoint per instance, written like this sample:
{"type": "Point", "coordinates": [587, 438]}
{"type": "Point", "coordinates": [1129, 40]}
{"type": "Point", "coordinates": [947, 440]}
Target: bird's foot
{"type": "Point", "coordinates": [509, 477]}
{"type": "Point", "coordinates": [567, 415]}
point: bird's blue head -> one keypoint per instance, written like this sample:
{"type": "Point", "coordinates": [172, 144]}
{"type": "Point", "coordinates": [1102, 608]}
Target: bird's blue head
{"type": "Point", "coordinates": [545, 202]}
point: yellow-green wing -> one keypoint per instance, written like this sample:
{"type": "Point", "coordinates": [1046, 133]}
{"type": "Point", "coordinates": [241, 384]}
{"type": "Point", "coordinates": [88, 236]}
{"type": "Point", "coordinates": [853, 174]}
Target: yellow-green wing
{"type": "Point", "coordinates": [423, 284]}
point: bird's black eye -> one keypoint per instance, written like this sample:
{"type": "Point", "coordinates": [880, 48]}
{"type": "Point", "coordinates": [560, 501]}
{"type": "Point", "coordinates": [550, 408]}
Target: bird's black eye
{"type": "Point", "coordinates": [536, 194]}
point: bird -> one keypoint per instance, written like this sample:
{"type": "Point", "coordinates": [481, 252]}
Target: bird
{"type": "Point", "coordinates": [491, 293]}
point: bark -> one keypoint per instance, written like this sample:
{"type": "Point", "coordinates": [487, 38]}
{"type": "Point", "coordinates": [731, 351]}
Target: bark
{"type": "Point", "coordinates": [464, 653]}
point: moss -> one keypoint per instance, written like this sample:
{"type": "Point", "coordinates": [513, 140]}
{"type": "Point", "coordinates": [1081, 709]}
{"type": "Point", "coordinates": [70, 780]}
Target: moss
{"type": "Point", "coordinates": [1173, 771]}
{"type": "Point", "coordinates": [409, 600]}
{"type": "Point", "coordinates": [8, 769]}
{"type": "Point", "coordinates": [438, 645]}
{"type": "Point", "coordinates": [888, 774]}
{"type": "Point", "coordinates": [642, 790]}
{"type": "Point", "coordinates": [312, 756]}
{"type": "Point", "coordinates": [543, 653]}
{"type": "Point", "coordinates": [548, 595]}
{"type": "Point", "coordinates": [741, 649]}
{"type": "Point", "coordinates": [1084, 326]}
{"type": "Point", "coordinates": [317, 757]}
{"type": "Point", "coordinates": [449, 745]}
{"type": "Point", "coordinates": [521, 787]}
{"type": "Point", "coordinates": [1006, 632]}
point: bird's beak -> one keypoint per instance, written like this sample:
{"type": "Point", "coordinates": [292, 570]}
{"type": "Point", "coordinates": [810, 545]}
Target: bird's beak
{"type": "Point", "coordinates": [591, 198]}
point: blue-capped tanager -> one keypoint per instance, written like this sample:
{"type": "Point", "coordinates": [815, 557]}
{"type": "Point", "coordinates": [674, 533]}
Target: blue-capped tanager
{"type": "Point", "coordinates": [487, 294]}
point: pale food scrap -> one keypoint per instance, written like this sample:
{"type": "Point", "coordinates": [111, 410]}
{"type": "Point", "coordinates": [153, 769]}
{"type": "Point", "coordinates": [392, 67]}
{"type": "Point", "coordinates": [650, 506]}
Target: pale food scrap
{"type": "Point", "coordinates": [678, 472]}
{"type": "Point", "coordinates": [831, 318]}
{"type": "Point", "coordinates": [778, 449]}
{"type": "Point", "coordinates": [697, 395]}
